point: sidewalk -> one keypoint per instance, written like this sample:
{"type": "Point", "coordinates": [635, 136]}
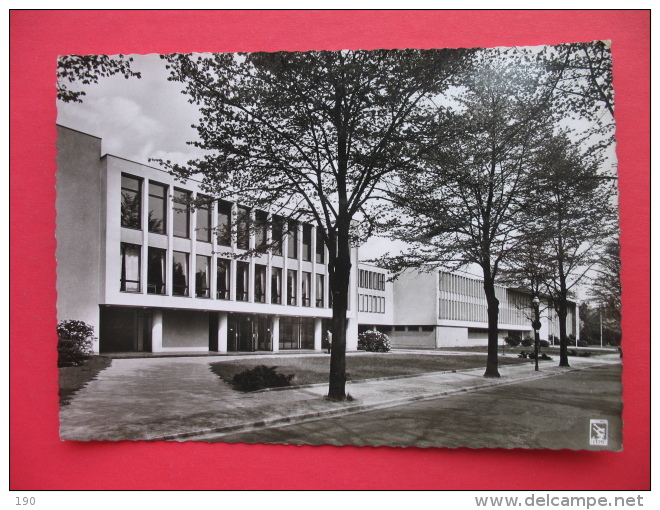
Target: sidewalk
{"type": "Point", "coordinates": [181, 399]}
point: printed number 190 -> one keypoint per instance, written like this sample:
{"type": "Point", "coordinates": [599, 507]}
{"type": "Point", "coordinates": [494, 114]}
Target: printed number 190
{"type": "Point", "coordinates": [25, 501]}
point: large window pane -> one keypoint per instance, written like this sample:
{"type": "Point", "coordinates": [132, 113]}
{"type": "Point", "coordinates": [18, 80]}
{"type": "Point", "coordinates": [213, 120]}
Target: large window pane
{"type": "Point", "coordinates": [278, 234]}
{"type": "Point", "coordinates": [157, 212]}
{"type": "Point", "coordinates": [224, 223]}
{"type": "Point", "coordinates": [292, 240]}
{"type": "Point", "coordinates": [131, 202]}
{"type": "Point", "coordinates": [130, 268]}
{"type": "Point", "coordinates": [276, 286]}
{"type": "Point", "coordinates": [156, 271]}
{"type": "Point", "coordinates": [179, 273]}
{"type": "Point", "coordinates": [320, 248]}
{"type": "Point", "coordinates": [223, 279]}
{"type": "Point", "coordinates": [307, 242]}
{"type": "Point", "coordinates": [306, 289]}
{"type": "Point", "coordinates": [242, 281]}
{"type": "Point", "coordinates": [319, 291]}
{"type": "Point", "coordinates": [243, 228]}
{"type": "Point", "coordinates": [203, 230]}
{"type": "Point", "coordinates": [259, 283]}
{"type": "Point", "coordinates": [181, 217]}
{"type": "Point", "coordinates": [260, 230]}
{"type": "Point", "coordinates": [291, 285]}
{"type": "Point", "coordinates": [202, 276]}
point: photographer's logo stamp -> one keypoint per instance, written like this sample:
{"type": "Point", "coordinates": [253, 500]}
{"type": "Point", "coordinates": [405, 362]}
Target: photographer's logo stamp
{"type": "Point", "coordinates": [598, 432]}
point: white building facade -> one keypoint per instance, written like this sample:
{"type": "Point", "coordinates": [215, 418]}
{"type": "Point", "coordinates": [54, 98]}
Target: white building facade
{"type": "Point", "coordinates": [152, 274]}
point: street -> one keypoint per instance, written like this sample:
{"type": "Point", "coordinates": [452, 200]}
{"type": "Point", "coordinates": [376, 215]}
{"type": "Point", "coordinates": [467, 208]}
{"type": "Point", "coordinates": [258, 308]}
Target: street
{"type": "Point", "coordinates": [553, 412]}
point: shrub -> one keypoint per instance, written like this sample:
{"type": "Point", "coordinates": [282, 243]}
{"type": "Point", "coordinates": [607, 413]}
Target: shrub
{"type": "Point", "coordinates": [527, 342]}
{"type": "Point", "coordinates": [582, 343]}
{"type": "Point", "coordinates": [261, 377]}
{"type": "Point", "coordinates": [74, 343]}
{"type": "Point", "coordinates": [374, 341]}
{"type": "Point", "coordinates": [544, 343]}
{"type": "Point", "coordinates": [512, 341]}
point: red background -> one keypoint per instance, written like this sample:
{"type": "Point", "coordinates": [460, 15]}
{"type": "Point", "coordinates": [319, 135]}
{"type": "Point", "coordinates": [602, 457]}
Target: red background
{"type": "Point", "coordinates": [39, 460]}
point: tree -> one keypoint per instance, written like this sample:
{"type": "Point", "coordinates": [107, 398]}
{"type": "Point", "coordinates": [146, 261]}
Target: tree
{"type": "Point", "coordinates": [605, 289]}
{"type": "Point", "coordinates": [311, 135]}
{"type": "Point", "coordinates": [87, 69]}
{"type": "Point", "coordinates": [575, 213]}
{"type": "Point", "coordinates": [465, 206]}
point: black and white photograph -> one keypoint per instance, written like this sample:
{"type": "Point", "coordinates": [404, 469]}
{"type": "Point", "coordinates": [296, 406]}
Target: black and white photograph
{"type": "Point", "coordinates": [401, 247]}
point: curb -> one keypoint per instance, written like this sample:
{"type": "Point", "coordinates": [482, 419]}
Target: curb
{"type": "Point", "coordinates": [354, 409]}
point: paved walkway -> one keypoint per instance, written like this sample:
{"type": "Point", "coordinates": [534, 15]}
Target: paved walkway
{"type": "Point", "coordinates": [180, 398]}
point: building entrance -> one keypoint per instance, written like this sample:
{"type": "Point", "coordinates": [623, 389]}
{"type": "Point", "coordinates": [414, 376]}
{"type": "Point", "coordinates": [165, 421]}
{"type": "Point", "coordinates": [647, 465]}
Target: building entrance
{"type": "Point", "coordinates": [248, 333]}
{"type": "Point", "coordinates": [124, 330]}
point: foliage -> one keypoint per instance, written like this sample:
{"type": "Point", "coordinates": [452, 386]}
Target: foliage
{"type": "Point", "coordinates": [582, 343]}
{"type": "Point", "coordinates": [527, 342]}
{"type": "Point", "coordinates": [544, 343]}
{"type": "Point", "coordinates": [261, 377]}
{"type": "Point", "coordinates": [74, 344]}
{"type": "Point", "coordinates": [512, 341]}
{"type": "Point", "coordinates": [374, 341]}
{"type": "Point", "coordinates": [312, 136]}
{"type": "Point", "coordinates": [87, 69]}
{"type": "Point", "coordinates": [465, 207]}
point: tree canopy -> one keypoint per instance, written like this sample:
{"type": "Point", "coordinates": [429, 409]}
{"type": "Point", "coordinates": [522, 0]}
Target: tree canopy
{"type": "Point", "coordinates": [87, 69]}
{"type": "Point", "coordinates": [311, 136]}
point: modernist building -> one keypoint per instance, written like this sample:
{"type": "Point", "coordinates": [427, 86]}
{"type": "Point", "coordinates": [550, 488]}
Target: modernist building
{"type": "Point", "coordinates": [440, 309]}
{"type": "Point", "coordinates": [152, 274]}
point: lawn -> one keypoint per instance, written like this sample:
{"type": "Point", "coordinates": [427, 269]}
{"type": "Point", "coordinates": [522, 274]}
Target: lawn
{"type": "Point", "coordinates": [73, 378]}
{"type": "Point", "coordinates": [311, 370]}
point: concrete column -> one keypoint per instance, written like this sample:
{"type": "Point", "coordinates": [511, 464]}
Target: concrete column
{"type": "Point", "coordinates": [222, 332]}
{"type": "Point", "coordinates": [275, 333]}
{"type": "Point", "coordinates": [157, 331]}
{"type": "Point", "coordinates": [192, 225]}
{"type": "Point", "coordinates": [170, 242]}
{"type": "Point", "coordinates": [285, 267]}
{"type": "Point", "coordinates": [351, 334]}
{"type": "Point", "coordinates": [318, 333]}
{"type": "Point", "coordinates": [214, 250]}
{"type": "Point", "coordinates": [312, 289]}
{"type": "Point", "coordinates": [144, 259]}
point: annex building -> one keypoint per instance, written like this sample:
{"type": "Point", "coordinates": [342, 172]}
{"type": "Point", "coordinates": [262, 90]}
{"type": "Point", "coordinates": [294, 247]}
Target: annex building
{"type": "Point", "coordinates": [151, 274]}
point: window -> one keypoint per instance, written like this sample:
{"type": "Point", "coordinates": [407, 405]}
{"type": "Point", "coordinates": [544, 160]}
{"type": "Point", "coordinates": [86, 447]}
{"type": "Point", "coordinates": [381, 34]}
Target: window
{"type": "Point", "coordinates": [276, 286]}
{"type": "Point", "coordinates": [261, 230]}
{"type": "Point", "coordinates": [428, 328]}
{"type": "Point", "coordinates": [399, 328]}
{"type": "Point", "coordinates": [243, 228]}
{"type": "Point", "coordinates": [320, 248]}
{"type": "Point", "coordinates": [156, 264]}
{"type": "Point", "coordinates": [306, 289]}
{"type": "Point", "coordinates": [224, 223]}
{"type": "Point", "coordinates": [259, 283]}
{"type": "Point", "coordinates": [223, 279]}
{"type": "Point", "coordinates": [203, 230]}
{"type": "Point", "coordinates": [131, 202]}
{"type": "Point", "coordinates": [181, 217]}
{"type": "Point", "coordinates": [202, 276]}
{"type": "Point", "coordinates": [291, 284]}
{"type": "Point", "coordinates": [292, 240]}
{"type": "Point", "coordinates": [319, 291]}
{"type": "Point", "coordinates": [278, 234]}
{"type": "Point", "coordinates": [130, 268]}
{"type": "Point", "coordinates": [307, 242]}
{"type": "Point", "coordinates": [157, 212]}
{"type": "Point", "coordinates": [179, 274]}
{"type": "Point", "coordinates": [242, 280]}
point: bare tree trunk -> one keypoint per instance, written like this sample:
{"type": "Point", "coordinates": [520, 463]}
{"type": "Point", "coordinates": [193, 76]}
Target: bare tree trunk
{"type": "Point", "coordinates": [563, 338]}
{"type": "Point", "coordinates": [340, 286]}
{"type": "Point", "coordinates": [493, 316]}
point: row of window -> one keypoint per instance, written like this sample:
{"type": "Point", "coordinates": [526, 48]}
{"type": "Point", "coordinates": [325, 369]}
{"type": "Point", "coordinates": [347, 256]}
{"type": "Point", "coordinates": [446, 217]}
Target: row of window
{"type": "Point", "coordinates": [157, 274]}
{"type": "Point", "coordinates": [371, 280]}
{"type": "Point", "coordinates": [371, 304]}
{"type": "Point", "coordinates": [245, 223]}
{"type": "Point", "coordinates": [389, 329]}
